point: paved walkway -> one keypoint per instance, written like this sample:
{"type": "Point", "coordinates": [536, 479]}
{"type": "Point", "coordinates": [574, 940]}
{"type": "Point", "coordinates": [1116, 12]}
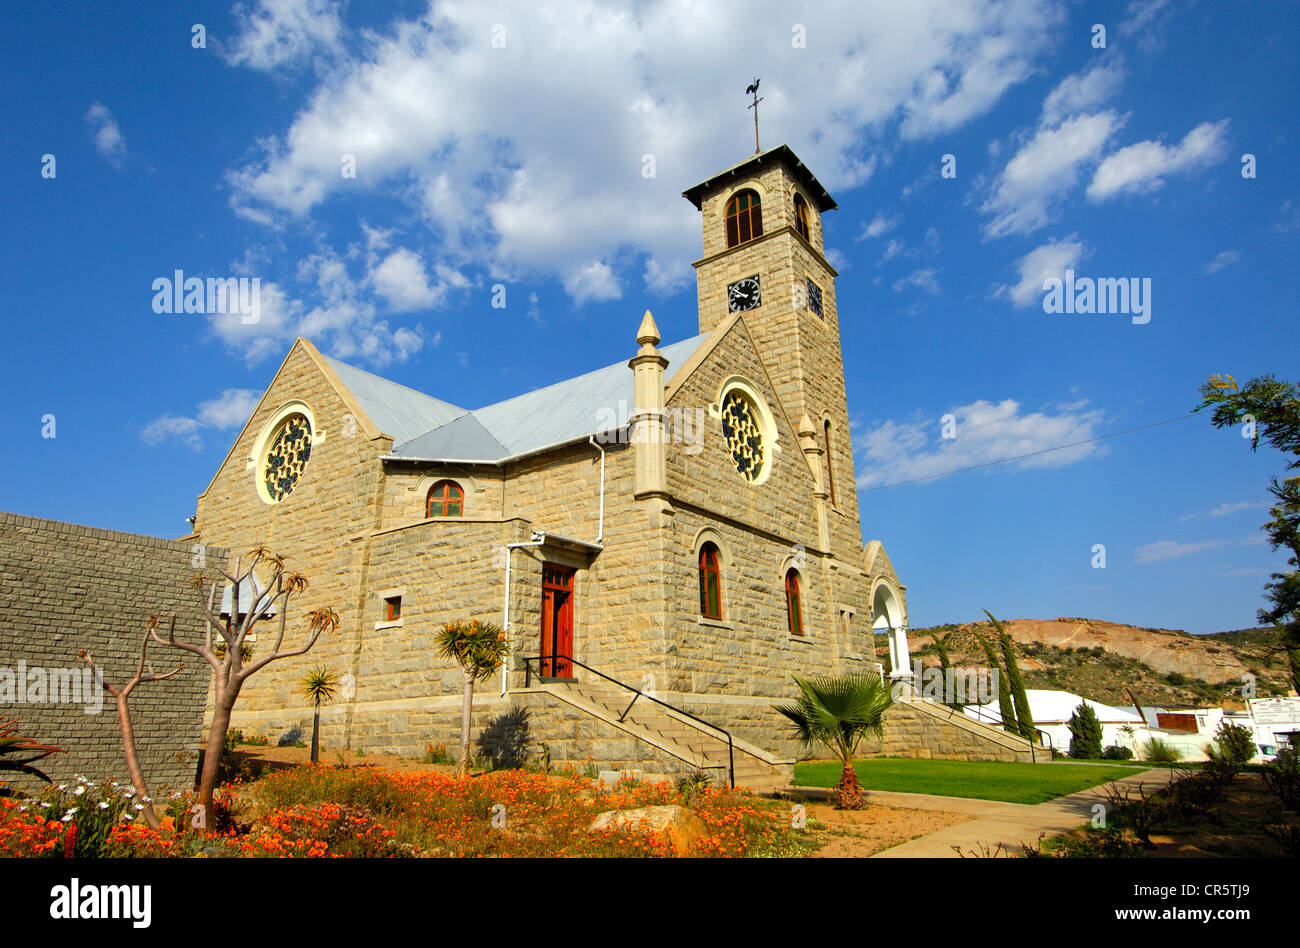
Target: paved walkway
{"type": "Point", "coordinates": [996, 822]}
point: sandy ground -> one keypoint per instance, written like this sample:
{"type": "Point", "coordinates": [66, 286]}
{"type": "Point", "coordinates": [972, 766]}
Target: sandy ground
{"type": "Point", "coordinates": [857, 833]}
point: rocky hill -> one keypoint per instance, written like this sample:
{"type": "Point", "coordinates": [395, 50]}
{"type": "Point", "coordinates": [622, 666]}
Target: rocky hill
{"type": "Point", "coordinates": [1100, 659]}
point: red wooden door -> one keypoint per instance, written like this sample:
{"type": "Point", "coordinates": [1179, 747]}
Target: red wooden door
{"type": "Point", "coordinates": [557, 621]}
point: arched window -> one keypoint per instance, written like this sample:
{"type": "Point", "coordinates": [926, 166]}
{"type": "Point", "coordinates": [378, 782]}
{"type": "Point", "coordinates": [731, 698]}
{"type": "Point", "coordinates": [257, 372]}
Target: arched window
{"type": "Point", "coordinates": [446, 499]}
{"type": "Point", "coordinates": [710, 583]}
{"type": "Point", "coordinates": [801, 217]}
{"type": "Point", "coordinates": [830, 462]}
{"type": "Point", "coordinates": [793, 603]}
{"type": "Point", "coordinates": [744, 218]}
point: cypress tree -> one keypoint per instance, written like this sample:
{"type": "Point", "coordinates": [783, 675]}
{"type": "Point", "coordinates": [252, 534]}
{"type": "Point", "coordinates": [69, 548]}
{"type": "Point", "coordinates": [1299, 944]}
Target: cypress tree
{"type": "Point", "coordinates": [1024, 720]}
{"type": "Point", "coordinates": [1085, 731]}
{"type": "Point", "coordinates": [1005, 708]}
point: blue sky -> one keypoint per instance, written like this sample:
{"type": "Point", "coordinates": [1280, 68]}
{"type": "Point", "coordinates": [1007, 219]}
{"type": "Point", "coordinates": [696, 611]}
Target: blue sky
{"type": "Point", "coordinates": [506, 145]}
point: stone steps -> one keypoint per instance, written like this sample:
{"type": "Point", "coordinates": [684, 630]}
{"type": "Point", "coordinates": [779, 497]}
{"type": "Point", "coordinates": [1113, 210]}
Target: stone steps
{"type": "Point", "coordinates": [695, 745]}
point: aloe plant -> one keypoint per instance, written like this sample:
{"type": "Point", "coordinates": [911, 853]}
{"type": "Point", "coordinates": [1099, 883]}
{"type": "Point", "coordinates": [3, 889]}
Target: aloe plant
{"type": "Point", "coordinates": [12, 743]}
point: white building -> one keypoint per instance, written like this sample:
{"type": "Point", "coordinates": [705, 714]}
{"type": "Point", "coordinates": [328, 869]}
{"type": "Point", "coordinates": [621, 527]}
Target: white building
{"type": "Point", "coordinates": [1052, 710]}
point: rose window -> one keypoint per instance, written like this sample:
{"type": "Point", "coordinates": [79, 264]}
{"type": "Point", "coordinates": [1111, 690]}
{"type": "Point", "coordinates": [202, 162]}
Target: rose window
{"type": "Point", "coordinates": [743, 435]}
{"type": "Point", "coordinates": [287, 457]}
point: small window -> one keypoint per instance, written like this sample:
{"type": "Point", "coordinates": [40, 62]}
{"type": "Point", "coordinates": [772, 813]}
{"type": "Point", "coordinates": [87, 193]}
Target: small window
{"type": "Point", "coordinates": [801, 217]}
{"type": "Point", "coordinates": [446, 499]}
{"type": "Point", "coordinates": [710, 583]}
{"type": "Point", "coordinates": [392, 608]}
{"type": "Point", "coordinates": [793, 603]}
{"type": "Point", "coordinates": [744, 218]}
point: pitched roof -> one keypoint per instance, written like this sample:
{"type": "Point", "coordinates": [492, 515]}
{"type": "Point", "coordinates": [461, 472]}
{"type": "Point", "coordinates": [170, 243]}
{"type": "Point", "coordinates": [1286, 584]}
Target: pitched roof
{"type": "Point", "coordinates": [397, 410]}
{"type": "Point", "coordinates": [781, 154]}
{"type": "Point", "coordinates": [429, 429]}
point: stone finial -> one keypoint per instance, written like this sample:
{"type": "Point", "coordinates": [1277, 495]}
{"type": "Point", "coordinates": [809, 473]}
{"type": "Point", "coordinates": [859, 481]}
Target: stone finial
{"type": "Point", "coordinates": [806, 429]}
{"type": "Point", "coordinates": [648, 334]}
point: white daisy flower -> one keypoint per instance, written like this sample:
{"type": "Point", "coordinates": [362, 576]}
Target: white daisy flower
{"type": "Point", "coordinates": [103, 805]}
{"type": "Point", "coordinates": [69, 815]}
{"type": "Point", "coordinates": [79, 791]}
{"type": "Point", "coordinates": [139, 807]}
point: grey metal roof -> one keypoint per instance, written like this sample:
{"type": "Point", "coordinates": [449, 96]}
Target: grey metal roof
{"type": "Point", "coordinates": [399, 411]}
{"type": "Point", "coordinates": [557, 414]}
{"type": "Point", "coordinates": [464, 438]}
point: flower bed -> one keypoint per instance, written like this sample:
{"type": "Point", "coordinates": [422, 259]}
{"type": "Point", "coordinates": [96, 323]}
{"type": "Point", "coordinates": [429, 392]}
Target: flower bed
{"type": "Point", "coordinates": [323, 812]}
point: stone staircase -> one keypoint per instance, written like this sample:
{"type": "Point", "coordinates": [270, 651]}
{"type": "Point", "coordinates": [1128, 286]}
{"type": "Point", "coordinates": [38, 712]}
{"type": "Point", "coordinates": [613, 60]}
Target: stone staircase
{"type": "Point", "coordinates": [689, 742]}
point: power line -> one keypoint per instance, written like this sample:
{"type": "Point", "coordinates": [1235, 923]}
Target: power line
{"type": "Point", "coordinates": [1021, 457]}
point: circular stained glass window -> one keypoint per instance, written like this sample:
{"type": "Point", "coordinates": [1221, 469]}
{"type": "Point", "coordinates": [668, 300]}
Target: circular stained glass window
{"type": "Point", "coordinates": [287, 457]}
{"type": "Point", "coordinates": [744, 437]}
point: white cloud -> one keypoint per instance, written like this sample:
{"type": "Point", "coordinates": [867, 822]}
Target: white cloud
{"type": "Point", "coordinates": [1082, 91]}
{"type": "Point", "coordinates": [986, 431]}
{"type": "Point", "coordinates": [172, 428]}
{"type": "Point", "coordinates": [878, 226]}
{"type": "Point", "coordinates": [595, 281]}
{"type": "Point", "coordinates": [1147, 20]}
{"type": "Point", "coordinates": [402, 280]}
{"type": "Point", "coordinates": [106, 133]}
{"type": "Point", "coordinates": [465, 133]}
{"type": "Point", "coordinates": [921, 279]}
{"type": "Point", "coordinates": [284, 32]}
{"type": "Point", "coordinates": [1041, 263]}
{"type": "Point", "coordinates": [1163, 550]}
{"type": "Point", "coordinates": [1225, 508]}
{"type": "Point", "coordinates": [231, 409]}
{"type": "Point", "coordinates": [1143, 166]}
{"type": "Point", "coordinates": [1024, 195]}
{"type": "Point", "coordinates": [334, 309]}
{"type": "Point", "coordinates": [1225, 258]}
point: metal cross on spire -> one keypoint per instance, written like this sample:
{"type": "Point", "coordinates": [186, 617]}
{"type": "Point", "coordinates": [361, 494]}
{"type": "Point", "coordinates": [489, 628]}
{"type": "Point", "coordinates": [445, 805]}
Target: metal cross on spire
{"type": "Point", "coordinates": [752, 89]}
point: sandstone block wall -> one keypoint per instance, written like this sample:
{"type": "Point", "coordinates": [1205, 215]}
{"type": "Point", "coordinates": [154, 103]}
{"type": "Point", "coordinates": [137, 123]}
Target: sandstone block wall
{"type": "Point", "coordinates": [65, 587]}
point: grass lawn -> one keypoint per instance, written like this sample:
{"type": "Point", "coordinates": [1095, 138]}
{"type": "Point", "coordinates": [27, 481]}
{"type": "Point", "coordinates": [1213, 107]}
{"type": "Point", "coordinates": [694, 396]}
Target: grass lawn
{"type": "Point", "coordinates": [1012, 783]}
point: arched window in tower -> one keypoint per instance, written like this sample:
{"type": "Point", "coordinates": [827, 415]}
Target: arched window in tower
{"type": "Point", "coordinates": [710, 583]}
{"type": "Point", "coordinates": [744, 217]}
{"type": "Point", "coordinates": [793, 603]}
{"type": "Point", "coordinates": [446, 499]}
{"type": "Point", "coordinates": [801, 217]}
{"type": "Point", "coordinates": [830, 461]}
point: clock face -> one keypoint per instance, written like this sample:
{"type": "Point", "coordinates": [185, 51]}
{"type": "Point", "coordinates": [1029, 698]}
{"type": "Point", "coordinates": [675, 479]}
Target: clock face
{"type": "Point", "coordinates": [815, 298]}
{"type": "Point", "coordinates": [743, 295]}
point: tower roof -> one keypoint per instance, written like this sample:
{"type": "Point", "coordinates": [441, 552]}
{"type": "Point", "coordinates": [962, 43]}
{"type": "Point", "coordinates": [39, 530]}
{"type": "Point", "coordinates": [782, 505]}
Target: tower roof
{"type": "Point", "coordinates": [781, 154]}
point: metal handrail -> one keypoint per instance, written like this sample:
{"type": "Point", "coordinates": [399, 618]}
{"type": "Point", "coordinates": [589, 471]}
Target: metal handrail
{"type": "Point", "coordinates": [1050, 744]}
{"type": "Point", "coordinates": [637, 693]}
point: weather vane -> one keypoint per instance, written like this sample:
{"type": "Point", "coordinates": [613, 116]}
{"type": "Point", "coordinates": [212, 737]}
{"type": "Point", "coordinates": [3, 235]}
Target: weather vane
{"type": "Point", "coordinates": [752, 89]}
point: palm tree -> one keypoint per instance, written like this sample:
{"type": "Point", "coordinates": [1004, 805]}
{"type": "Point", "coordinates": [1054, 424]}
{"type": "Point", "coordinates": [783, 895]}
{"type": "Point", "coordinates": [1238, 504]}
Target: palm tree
{"type": "Point", "coordinates": [318, 685]}
{"type": "Point", "coordinates": [479, 648]}
{"type": "Point", "coordinates": [837, 712]}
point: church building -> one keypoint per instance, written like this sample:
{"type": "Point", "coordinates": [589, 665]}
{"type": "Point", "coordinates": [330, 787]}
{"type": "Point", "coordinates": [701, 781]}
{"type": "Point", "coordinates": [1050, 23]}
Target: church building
{"type": "Point", "coordinates": [666, 540]}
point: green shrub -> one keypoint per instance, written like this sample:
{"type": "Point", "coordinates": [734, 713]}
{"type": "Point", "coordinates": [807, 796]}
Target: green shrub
{"type": "Point", "coordinates": [1235, 743]}
{"type": "Point", "coordinates": [1283, 777]}
{"type": "Point", "coordinates": [1160, 751]}
{"type": "Point", "coordinates": [1117, 752]}
{"type": "Point", "coordinates": [1085, 732]}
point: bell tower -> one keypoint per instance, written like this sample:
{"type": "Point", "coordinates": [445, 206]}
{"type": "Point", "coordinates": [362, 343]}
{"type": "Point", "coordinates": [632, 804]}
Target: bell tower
{"type": "Point", "coordinates": [764, 259]}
